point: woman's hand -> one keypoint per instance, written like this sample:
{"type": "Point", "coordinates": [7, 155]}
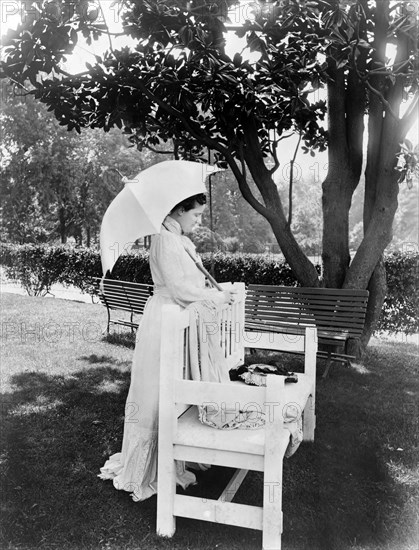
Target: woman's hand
{"type": "Point", "coordinates": [229, 296]}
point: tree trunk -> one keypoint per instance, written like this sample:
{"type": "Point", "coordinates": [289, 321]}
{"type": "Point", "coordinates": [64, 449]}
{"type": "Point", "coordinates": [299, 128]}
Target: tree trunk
{"type": "Point", "coordinates": [367, 268]}
{"type": "Point", "coordinates": [62, 225]}
{"type": "Point", "coordinates": [301, 266]}
{"type": "Point", "coordinates": [336, 200]}
{"type": "Point", "coordinates": [380, 205]}
{"type": "Point", "coordinates": [385, 133]}
{"type": "Point", "coordinates": [273, 211]}
{"type": "Point", "coordinates": [79, 236]}
{"type": "Point", "coordinates": [346, 99]}
{"type": "Point", "coordinates": [378, 289]}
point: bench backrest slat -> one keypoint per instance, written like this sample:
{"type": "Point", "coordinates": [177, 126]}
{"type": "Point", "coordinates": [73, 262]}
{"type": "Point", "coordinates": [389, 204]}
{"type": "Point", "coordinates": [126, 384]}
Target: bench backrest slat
{"type": "Point", "coordinates": [123, 305]}
{"type": "Point", "coordinates": [298, 300]}
{"type": "Point", "coordinates": [315, 291]}
{"type": "Point", "coordinates": [334, 310]}
{"type": "Point", "coordinates": [123, 295]}
{"type": "Point", "coordinates": [308, 319]}
{"type": "Point", "coordinates": [114, 296]}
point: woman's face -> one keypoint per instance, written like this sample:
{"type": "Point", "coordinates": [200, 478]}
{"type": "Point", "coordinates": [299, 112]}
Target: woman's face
{"type": "Point", "coordinates": [190, 219]}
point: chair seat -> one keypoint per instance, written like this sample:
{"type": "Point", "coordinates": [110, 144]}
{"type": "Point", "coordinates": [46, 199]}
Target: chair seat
{"type": "Point", "coordinates": [191, 432]}
{"type": "Point", "coordinates": [296, 393]}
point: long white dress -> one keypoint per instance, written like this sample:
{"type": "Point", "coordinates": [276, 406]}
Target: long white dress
{"type": "Point", "coordinates": [176, 281]}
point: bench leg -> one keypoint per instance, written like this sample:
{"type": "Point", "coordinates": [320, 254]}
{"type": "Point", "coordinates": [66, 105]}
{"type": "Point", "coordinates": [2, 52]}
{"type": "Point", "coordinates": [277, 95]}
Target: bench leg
{"type": "Point", "coordinates": [327, 368]}
{"type": "Point", "coordinates": [329, 363]}
{"type": "Point", "coordinates": [309, 419]}
{"type": "Point", "coordinates": [109, 320]}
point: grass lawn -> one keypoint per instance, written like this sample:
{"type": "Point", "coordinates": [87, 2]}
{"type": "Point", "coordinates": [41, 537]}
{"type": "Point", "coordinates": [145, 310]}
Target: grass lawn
{"type": "Point", "coordinates": [63, 393]}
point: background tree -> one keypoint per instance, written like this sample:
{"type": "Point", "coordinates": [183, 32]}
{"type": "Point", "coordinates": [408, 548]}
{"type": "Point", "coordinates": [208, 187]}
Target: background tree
{"type": "Point", "coordinates": [177, 82]}
{"type": "Point", "coordinates": [55, 183]}
{"type": "Point", "coordinates": [306, 218]}
{"type": "Point", "coordinates": [234, 220]}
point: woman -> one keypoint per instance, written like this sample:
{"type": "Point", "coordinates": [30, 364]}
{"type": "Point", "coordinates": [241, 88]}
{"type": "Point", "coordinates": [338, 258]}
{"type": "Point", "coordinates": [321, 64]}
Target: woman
{"type": "Point", "coordinates": [177, 280]}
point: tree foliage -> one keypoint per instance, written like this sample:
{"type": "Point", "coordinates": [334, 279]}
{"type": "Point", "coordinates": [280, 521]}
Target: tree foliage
{"type": "Point", "coordinates": [56, 184]}
{"type": "Point", "coordinates": [177, 82]}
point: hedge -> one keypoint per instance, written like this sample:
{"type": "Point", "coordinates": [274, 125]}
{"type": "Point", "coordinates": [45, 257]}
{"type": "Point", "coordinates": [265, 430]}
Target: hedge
{"type": "Point", "coordinates": [401, 306]}
{"type": "Point", "coordinates": [38, 267]}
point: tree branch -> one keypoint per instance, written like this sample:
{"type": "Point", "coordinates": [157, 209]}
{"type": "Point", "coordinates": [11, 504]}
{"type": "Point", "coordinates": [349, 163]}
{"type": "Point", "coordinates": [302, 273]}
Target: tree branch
{"type": "Point", "coordinates": [159, 152]}
{"type": "Point", "coordinates": [385, 70]}
{"type": "Point", "coordinates": [274, 154]}
{"type": "Point", "coordinates": [69, 75]}
{"type": "Point", "coordinates": [245, 189]}
{"type": "Point", "coordinates": [380, 96]}
{"type": "Point", "coordinates": [20, 86]}
{"type": "Point", "coordinates": [110, 33]}
{"type": "Point", "coordinates": [212, 144]}
{"type": "Point", "coordinates": [291, 179]}
{"type": "Point", "coordinates": [364, 78]}
{"type": "Point", "coordinates": [284, 137]}
{"type": "Point", "coordinates": [107, 30]}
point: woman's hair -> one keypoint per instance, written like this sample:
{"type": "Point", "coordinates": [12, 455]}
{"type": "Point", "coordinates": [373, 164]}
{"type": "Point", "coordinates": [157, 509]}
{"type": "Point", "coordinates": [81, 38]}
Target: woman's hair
{"type": "Point", "coordinates": [191, 202]}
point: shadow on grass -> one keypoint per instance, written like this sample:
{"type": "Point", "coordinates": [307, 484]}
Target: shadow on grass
{"type": "Point", "coordinates": [95, 359]}
{"type": "Point", "coordinates": [339, 492]}
{"type": "Point", "coordinates": [124, 338]}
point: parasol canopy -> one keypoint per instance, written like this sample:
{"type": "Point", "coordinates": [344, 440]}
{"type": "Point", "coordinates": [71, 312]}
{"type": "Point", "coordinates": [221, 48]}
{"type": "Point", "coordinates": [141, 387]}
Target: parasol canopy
{"type": "Point", "coordinates": [140, 208]}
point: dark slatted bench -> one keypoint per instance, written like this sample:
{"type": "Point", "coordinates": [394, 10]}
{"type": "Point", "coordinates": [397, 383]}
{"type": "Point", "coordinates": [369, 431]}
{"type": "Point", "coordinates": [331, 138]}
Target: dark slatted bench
{"type": "Point", "coordinates": [125, 296]}
{"type": "Point", "coordinates": [338, 314]}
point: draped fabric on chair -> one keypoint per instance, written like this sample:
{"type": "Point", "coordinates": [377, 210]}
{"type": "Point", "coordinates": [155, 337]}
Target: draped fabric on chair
{"type": "Point", "coordinates": [183, 437]}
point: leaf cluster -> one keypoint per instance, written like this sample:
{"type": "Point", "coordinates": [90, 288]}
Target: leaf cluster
{"type": "Point", "coordinates": [177, 82]}
{"type": "Point", "coordinates": [408, 165]}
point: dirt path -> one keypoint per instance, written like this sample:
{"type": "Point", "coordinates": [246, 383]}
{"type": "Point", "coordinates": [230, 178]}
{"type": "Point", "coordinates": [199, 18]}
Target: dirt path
{"type": "Point", "coordinates": [57, 291]}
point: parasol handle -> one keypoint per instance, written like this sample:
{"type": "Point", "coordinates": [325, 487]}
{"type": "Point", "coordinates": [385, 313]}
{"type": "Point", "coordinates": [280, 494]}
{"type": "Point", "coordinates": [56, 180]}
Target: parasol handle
{"type": "Point", "coordinates": [205, 272]}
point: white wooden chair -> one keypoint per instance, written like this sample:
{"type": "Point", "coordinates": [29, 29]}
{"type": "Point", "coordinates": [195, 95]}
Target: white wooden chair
{"type": "Point", "coordinates": [183, 437]}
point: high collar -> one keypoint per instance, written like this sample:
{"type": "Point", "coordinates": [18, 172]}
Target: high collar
{"type": "Point", "coordinates": [172, 225]}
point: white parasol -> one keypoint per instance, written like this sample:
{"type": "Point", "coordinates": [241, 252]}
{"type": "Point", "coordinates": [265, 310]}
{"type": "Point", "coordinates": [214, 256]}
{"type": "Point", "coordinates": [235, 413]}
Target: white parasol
{"type": "Point", "coordinates": [140, 208]}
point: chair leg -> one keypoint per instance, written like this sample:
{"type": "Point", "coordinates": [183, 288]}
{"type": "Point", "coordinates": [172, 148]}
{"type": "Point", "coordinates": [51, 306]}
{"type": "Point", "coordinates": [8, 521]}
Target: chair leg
{"type": "Point", "coordinates": [166, 493]}
{"type": "Point", "coordinates": [272, 508]}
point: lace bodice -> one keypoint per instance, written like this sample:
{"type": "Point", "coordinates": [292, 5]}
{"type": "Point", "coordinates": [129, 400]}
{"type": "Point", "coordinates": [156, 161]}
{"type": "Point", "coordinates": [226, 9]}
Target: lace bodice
{"type": "Point", "coordinates": [173, 270]}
